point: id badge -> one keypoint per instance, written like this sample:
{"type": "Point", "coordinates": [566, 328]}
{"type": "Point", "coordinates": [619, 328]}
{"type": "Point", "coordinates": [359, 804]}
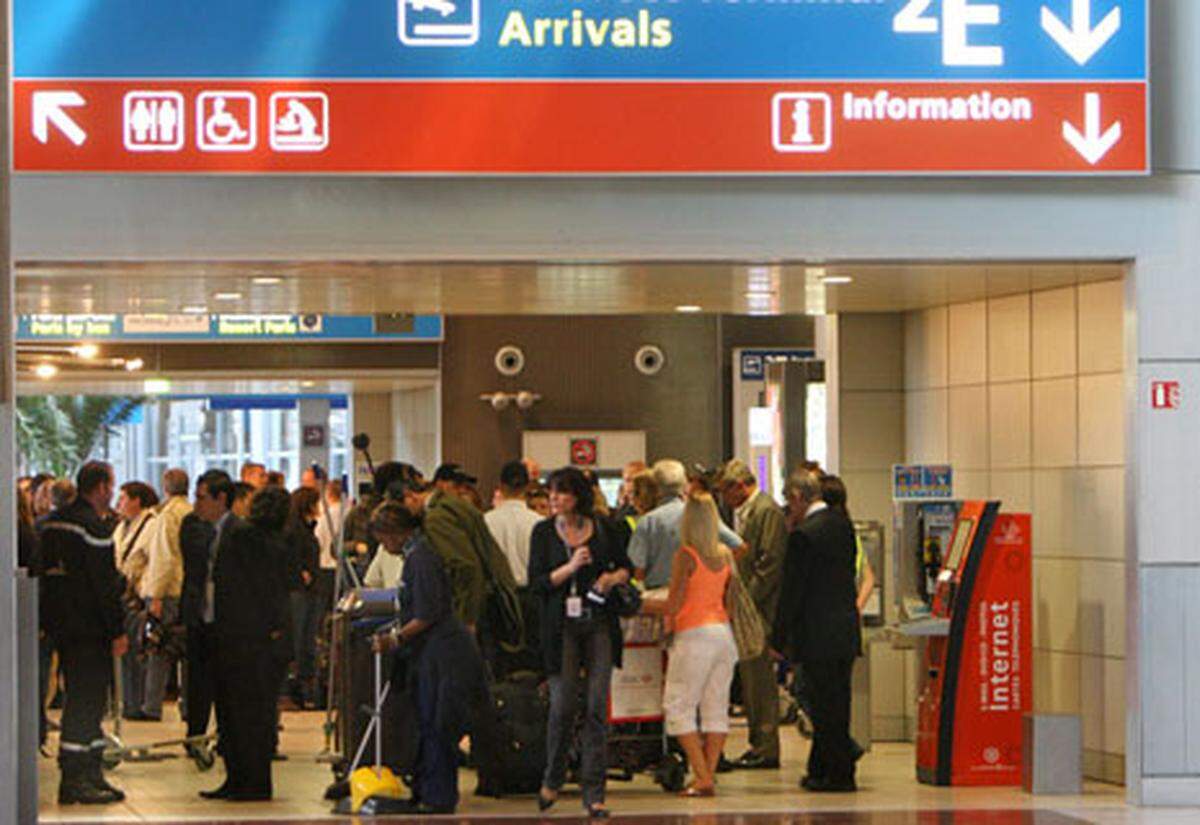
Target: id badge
{"type": "Point", "coordinates": [574, 607]}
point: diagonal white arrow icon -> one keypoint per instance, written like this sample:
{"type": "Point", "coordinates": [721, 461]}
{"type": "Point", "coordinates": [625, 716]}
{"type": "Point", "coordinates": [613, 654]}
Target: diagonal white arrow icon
{"type": "Point", "coordinates": [48, 108]}
{"type": "Point", "coordinates": [1092, 144]}
{"type": "Point", "coordinates": [1080, 40]}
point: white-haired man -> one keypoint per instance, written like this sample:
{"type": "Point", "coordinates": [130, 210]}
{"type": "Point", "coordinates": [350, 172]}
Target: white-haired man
{"type": "Point", "coordinates": [656, 538]}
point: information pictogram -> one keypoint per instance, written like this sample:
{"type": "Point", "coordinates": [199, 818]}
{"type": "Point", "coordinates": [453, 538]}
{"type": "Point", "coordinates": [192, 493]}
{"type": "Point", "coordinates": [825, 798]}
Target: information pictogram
{"type": "Point", "coordinates": [154, 121]}
{"type": "Point", "coordinates": [227, 122]}
{"type": "Point", "coordinates": [802, 122]}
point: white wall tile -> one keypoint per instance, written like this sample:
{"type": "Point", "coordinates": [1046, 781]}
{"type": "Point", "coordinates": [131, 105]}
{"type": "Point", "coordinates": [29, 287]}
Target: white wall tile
{"type": "Point", "coordinates": [1054, 519]}
{"type": "Point", "coordinates": [926, 424]}
{"type": "Point", "coordinates": [1055, 682]}
{"type": "Point", "coordinates": [871, 430]}
{"type": "Point", "coordinates": [1054, 333]}
{"type": "Point", "coordinates": [1009, 338]}
{"type": "Point", "coordinates": [871, 354]}
{"type": "Point", "coordinates": [1101, 327]}
{"type": "Point", "coordinates": [1055, 423]}
{"type": "Point", "coordinates": [1056, 604]}
{"type": "Point", "coordinates": [1101, 420]}
{"type": "Point", "coordinates": [971, 484]}
{"type": "Point", "coordinates": [969, 428]}
{"type": "Point", "coordinates": [1014, 488]}
{"type": "Point", "coordinates": [1100, 513]}
{"type": "Point", "coordinates": [1102, 703]}
{"type": "Point", "coordinates": [925, 356]}
{"type": "Point", "coordinates": [1102, 608]}
{"type": "Point", "coordinates": [967, 343]}
{"type": "Point", "coordinates": [1009, 426]}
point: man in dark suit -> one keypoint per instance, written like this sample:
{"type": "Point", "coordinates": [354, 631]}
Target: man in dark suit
{"type": "Point", "coordinates": [251, 619]}
{"type": "Point", "coordinates": [817, 628]}
{"type": "Point", "coordinates": [195, 544]}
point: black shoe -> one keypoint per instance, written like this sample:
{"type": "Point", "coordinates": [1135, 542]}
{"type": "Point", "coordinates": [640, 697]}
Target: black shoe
{"type": "Point", "coordinates": [279, 757]}
{"type": "Point", "coordinates": [856, 750]}
{"type": "Point", "coordinates": [97, 780]}
{"type": "Point", "coordinates": [248, 796]}
{"type": "Point", "coordinates": [751, 761]}
{"type": "Point", "coordinates": [222, 792]}
{"type": "Point", "coordinates": [806, 782]}
{"type": "Point", "coordinates": [82, 792]}
{"type": "Point", "coordinates": [724, 765]}
{"type": "Point", "coordinates": [824, 785]}
{"type": "Point", "coordinates": [596, 811]}
{"type": "Point", "coordinates": [545, 803]}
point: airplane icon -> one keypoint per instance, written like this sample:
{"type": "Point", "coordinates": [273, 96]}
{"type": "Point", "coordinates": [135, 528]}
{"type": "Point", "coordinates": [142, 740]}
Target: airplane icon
{"type": "Point", "coordinates": [443, 7]}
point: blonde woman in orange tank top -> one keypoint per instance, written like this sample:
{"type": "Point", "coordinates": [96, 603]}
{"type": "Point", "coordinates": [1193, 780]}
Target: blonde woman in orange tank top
{"type": "Point", "coordinates": [703, 653]}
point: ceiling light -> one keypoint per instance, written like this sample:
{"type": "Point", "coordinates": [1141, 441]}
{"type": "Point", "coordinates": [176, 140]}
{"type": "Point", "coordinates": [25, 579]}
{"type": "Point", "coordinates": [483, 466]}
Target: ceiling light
{"type": "Point", "coordinates": [267, 281]}
{"type": "Point", "coordinates": [134, 364]}
{"type": "Point", "coordinates": [689, 308]}
{"type": "Point", "coordinates": [308, 383]}
{"type": "Point", "coordinates": [228, 296]}
{"type": "Point", "coordinates": [195, 310]}
{"type": "Point", "coordinates": [156, 386]}
{"type": "Point", "coordinates": [45, 371]}
{"type": "Point", "coordinates": [833, 280]}
{"type": "Point", "coordinates": [86, 351]}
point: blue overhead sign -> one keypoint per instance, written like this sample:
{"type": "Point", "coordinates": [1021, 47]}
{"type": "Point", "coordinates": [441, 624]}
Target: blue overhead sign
{"type": "Point", "coordinates": [568, 39]}
{"type": "Point", "coordinates": [217, 328]}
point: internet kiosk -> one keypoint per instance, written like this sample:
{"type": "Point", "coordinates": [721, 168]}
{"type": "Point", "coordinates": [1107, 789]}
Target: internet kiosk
{"type": "Point", "coordinates": [979, 656]}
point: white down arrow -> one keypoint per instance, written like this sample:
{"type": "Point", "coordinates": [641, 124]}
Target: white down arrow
{"type": "Point", "coordinates": [1080, 40]}
{"type": "Point", "coordinates": [48, 108]}
{"type": "Point", "coordinates": [1092, 143]}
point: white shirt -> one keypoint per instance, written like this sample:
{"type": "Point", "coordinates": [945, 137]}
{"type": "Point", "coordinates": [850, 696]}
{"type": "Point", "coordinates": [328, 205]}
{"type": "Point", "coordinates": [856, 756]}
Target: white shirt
{"type": "Point", "coordinates": [327, 530]}
{"type": "Point", "coordinates": [739, 515]}
{"type": "Point", "coordinates": [511, 525]}
{"type": "Point", "coordinates": [815, 507]}
{"type": "Point", "coordinates": [384, 572]}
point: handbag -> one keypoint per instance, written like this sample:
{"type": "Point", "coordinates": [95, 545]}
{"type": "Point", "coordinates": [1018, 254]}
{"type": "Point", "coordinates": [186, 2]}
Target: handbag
{"type": "Point", "coordinates": [625, 600]}
{"type": "Point", "coordinates": [748, 630]}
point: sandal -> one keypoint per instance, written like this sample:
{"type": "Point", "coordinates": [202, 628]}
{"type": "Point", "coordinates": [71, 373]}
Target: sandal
{"type": "Point", "coordinates": [696, 792]}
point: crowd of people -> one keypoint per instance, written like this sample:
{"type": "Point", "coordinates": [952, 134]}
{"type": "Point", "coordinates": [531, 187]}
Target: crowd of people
{"type": "Point", "coordinates": [223, 587]}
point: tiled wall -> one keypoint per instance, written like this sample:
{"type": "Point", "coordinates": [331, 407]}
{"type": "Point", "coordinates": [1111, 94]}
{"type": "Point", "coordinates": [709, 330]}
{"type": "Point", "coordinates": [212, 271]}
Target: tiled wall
{"type": "Point", "coordinates": [1024, 396]}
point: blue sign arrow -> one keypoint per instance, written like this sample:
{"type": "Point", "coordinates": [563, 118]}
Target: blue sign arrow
{"type": "Point", "coordinates": [1068, 40]}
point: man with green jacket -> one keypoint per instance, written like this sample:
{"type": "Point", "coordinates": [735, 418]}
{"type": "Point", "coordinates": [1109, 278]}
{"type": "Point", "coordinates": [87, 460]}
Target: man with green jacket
{"type": "Point", "coordinates": [761, 524]}
{"type": "Point", "coordinates": [481, 581]}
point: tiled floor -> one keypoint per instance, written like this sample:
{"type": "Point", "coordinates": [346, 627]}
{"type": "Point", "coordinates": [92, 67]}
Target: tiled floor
{"type": "Point", "coordinates": [167, 792]}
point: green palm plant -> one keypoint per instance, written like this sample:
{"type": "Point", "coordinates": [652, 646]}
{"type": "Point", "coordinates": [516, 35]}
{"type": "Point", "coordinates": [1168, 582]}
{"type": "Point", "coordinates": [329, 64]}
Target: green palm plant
{"type": "Point", "coordinates": [58, 433]}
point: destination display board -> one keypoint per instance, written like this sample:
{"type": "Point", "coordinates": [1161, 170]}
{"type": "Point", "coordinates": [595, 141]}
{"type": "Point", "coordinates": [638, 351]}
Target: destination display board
{"type": "Point", "coordinates": [205, 328]}
{"type": "Point", "coordinates": [606, 87]}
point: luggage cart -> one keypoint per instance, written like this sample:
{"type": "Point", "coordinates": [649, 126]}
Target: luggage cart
{"type": "Point", "coordinates": [637, 741]}
{"type": "Point", "coordinates": [201, 749]}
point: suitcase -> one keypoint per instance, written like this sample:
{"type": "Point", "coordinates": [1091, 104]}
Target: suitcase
{"type": "Point", "coordinates": [517, 760]}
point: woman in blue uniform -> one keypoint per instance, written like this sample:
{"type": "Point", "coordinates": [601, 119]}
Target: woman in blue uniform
{"type": "Point", "coordinates": [445, 668]}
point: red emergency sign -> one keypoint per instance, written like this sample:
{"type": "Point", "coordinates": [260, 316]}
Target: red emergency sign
{"type": "Point", "coordinates": [1165, 395]}
{"type": "Point", "coordinates": [566, 127]}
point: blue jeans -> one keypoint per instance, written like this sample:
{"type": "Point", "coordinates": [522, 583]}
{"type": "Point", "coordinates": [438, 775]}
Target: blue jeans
{"type": "Point", "coordinates": [590, 647]}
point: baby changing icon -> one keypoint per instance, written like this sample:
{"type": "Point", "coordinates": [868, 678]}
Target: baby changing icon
{"type": "Point", "coordinates": [439, 22]}
{"type": "Point", "coordinates": [299, 121]}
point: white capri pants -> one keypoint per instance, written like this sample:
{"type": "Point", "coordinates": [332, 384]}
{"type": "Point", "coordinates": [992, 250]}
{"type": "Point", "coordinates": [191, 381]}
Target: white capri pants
{"type": "Point", "coordinates": [699, 674]}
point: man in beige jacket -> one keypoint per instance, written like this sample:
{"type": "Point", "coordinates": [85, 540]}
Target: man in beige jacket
{"type": "Point", "coordinates": [162, 584]}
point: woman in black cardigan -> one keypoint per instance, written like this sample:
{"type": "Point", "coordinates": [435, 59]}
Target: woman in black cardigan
{"type": "Point", "coordinates": [575, 559]}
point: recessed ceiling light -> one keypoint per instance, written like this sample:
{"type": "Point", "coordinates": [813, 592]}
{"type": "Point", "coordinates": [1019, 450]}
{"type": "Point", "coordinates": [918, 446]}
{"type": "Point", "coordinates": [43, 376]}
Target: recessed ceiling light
{"type": "Point", "coordinates": [833, 280]}
{"type": "Point", "coordinates": [228, 296]}
{"type": "Point", "coordinates": [267, 281]}
{"type": "Point", "coordinates": [308, 383]}
{"type": "Point", "coordinates": [87, 351]}
{"type": "Point", "coordinates": [156, 386]}
{"type": "Point", "coordinates": [195, 310]}
{"type": "Point", "coordinates": [134, 364]}
{"type": "Point", "coordinates": [45, 371]}
{"type": "Point", "coordinates": [689, 308]}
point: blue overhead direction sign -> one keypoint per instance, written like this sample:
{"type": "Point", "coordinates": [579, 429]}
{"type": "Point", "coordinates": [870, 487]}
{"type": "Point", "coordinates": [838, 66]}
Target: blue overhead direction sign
{"type": "Point", "coordinates": [1069, 40]}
